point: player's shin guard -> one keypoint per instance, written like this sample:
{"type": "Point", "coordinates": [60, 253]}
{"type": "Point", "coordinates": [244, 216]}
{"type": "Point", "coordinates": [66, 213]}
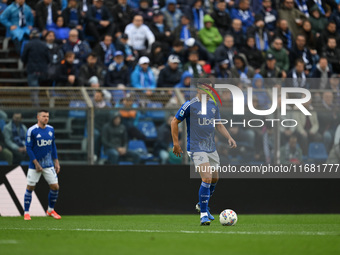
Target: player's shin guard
{"type": "Point", "coordinates": [28, 200]}
{"type": "Point", "coordinates": [204, 195]}
{"type": "Point", "coordinates": [52, 199]}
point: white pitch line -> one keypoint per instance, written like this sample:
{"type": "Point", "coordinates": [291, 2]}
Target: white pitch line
{"type": "Point", "coordinates": [8, 241]}
{"type": "Point", "coordinates": [302, 233]}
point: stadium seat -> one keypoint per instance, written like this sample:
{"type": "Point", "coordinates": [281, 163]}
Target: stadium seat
{"type": "Point", "coordinates": [155, 115]}
{"type": "Point", "coordinates": [151, 163]}
{"type": "Point", "coordinates": [117, 95]}
{"type": "Point", "coordinates": [140, 147]}
{"type": "Point", "coordinates": [317, 151]}
{"type": "Point", "coordinates": [3, 163]}
{"type": "Point", "coordinates": [125, 163]}
{"type": "Point", "coordinates": [77, 113]}
{"type": "Point", "coordinates": [148, 128]}
{"type": "Point", "coordinates": [24, 163]}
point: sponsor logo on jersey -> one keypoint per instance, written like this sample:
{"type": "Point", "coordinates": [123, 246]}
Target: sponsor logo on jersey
{"type": "Point", "coordinates": [43, 142]}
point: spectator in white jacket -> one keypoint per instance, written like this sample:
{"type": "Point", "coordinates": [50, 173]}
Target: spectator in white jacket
{"type": "Point", "coordinates": [138, 34]}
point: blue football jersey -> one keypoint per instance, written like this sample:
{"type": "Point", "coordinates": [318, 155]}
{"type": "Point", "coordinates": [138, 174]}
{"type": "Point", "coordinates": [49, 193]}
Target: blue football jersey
{"type": "Point", "coordinates": [200, 128]}
{"type": "Point", "coordinates": [41, 146]}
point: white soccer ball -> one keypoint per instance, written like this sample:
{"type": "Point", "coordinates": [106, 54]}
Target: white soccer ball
{"type": "Point", "coordinates": [228, 217]}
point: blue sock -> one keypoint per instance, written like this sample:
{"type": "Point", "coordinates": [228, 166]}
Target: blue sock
{"type": "Point", "coordinates": [52, 198]}
{"type": "Point", "coordinates": [27, 200]}
{"type": "Point", "coordinates": [204, 195]}
{"type": "Point", "coordinates": [212, 188]}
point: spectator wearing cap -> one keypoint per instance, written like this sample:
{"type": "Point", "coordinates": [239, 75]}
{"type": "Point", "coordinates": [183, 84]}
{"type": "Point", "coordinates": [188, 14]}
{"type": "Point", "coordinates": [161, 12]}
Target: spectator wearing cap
{"type": "Point", "coordinates": [36, 57]}
{"type": "Point", "coordinates": [222, 69]}
{"type": "Point", "coordinates": [194, 45]}
{"type": "Point", "coordinates": [145, 11]}
{"type": "Point", "coordinates": [261, 35]}
{"type": "Point", "coordinates": [161, 30]}
{"type": "Point", "coordinates": [105, 50]}
{"type": "Point", "coordinates": [300, 50]}
{"type": "Point", "coordinates": [193, 65]}
{"type": "Point", "coordinates": [226, 50]}
{"type": "Point", "coordinates": [241, 69]}
{"type": "Point", "coordinates": [270, 16]}
{"type": "Point", "coordinates": [18, 20]}
{"type": "Point", "coordinates": [91, 68]}
{"type": "Point", "coordinates": [243, 13]}
{"type": "Point", "coordinates": [138, 35]}
{"type": "Point", "coordinates": [270, 70]}
{"type": "Point", "coordinates": [72, 16]}
{"type": "Point", "coordinates": [99, 20]}
{"type": "Point", "coordinates": [198, 14]}
{"type": "Point", "coordinates": [172, 14]}
{"type": "Point", "coordinates": [129, 54]}
{"type": "Point", "coordinates": [209, 35]}
{"type": "Point", "coordinates": [122, 15]}
{"type": "Point", "coordinates": [221, 17]}
{"type": "Point", "coordinates": [142, 76]}
{"type": "Point", "coordinates": [297, 76]}
{"type": "Point", "coordinates": [185, 30]}
{"type": "Point", "coordinates": [280, 54]}
{"type": "Point", "coordinates": [46, 15]}
{"type": "Point", "coordinates": [170, 75]}
{"type": "Point", "coordinates": [254, 56]}
{"type": "Point", "coordinates": [117, 73]}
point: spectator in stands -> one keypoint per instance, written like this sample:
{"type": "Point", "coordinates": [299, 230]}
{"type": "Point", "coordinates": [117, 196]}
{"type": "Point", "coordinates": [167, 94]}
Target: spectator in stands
{"type": "Point", "coordinates": [35, 56]}
{"type": "Point", "coordinates": [335, 17]}
{"type": "Point", "coordinates": [221, 17]}
{"type": "Point", "coordinates": [280, 54]}
{"type": "Point", "coordinates": [241, 69]}
{"type": "Point", "coordinates": [185, 83]}
{"type": "Point", "coordinates": [334, 83]}
{"type": "Point", "coordinates": [18, 20]}
{"type": "Point", "coordinates": [310, 37]}
{"type": "Point", "coordinates": [81, 49]}
{"type": "Point", "coordinates": [334, 154]}
{"type": "Point", "coordinates": [270, 69]}
{"type": "Point", "coordinates": [163, 143]}
{"type": "Point", "coordinates": [55, 54]}
{"type": "Point", "coordinates": [72, 16]}
{"type": "Point", "coordinates": [198, 14]}
{"type": "Point", "coordinates": [5, 153]}
{"type": "Point", "coordinates": [254, 56]}
{"type": "Point", "coordinates": [293, 16]}
{"type": "Point", "coordinates": [244, 14]}
{"type": "Point", "coordinates": [158, 58]}
{"type": "Point", "coordinates": [185, 30]}
{"type": "Point", "coordinates": [209, 35]}
{"type": "Point", "coordinates": [332, 53]}
{"type": "Point", "coordinates": [291, 153]}
{"type": "Point", "coordinates": [308, 127]}
{"type": "Point", "coordinates": [297, 75]}
{"type": "Point", "coordinates": [118, 73]}
{"type": "Point", "coordinates": [203, 55]}
{"type": "Point", "coordinates": [99, 20]}
{"type": "Point", "coordinates": [170, 75]}
{"type": "Point", "coordinates": [145, 11]}
{"type": "Point", "coordinates": [300, 50]}
{"type": "Point", "coordinates": [90, 69]}
{"type": "Point", "coordinates": [122, 16]}
{"type": "Point", "coordinates": [325, 6]}
{"type": "Point", "coordinates": [66, 76]}
{"type": "Point", "coordinates": [46, 13]}
{"type": "Point", "coordinates": [123, 46]}
{"type": "Point", "coordinates": [237, 33]}
{"type": "Point", "coordinates": [15, 138]}
{"type": "Point", "coordinates": [178, 50]}
{"type": "Point", "coordinates": [284, 34]}
{"type": "Point", "coordinates": [317, 20]}
{"type": "Point", "coordinates": [100, 119]}
{"type": "Point", "coordinates": [322, 72]}
{"type": "Point", "coordinates": [172, 14]}
{"type": "Point", "coordinates": [193, 66]}
{"type": "Point", "coordinates": [270, 16]}
{"type": "Point", "coordinates": [259, 32]}
{"type": "Point", "coordinates": [161, 31]}
{"type": "Point", "coordinates": [105, 50]}
{"type": "Point", "coordinates": [263, 99]}
{"type": "Point", "coordinates": [138, 35]}
{"type": "Point", "coordinates": [329, 118]}
{"type": "Point", "coordinates": [115, 141]}
{"type": "Point", "coordinates": [222, 69]}
{"type": "Point", "coordinates": [226, 50]}
{"type": "Point", "coordinates": [61, 32]}
{"type": "Point", "coordinates": [142, 76]}
{"type": "Point", "coordinates": [330, 31]}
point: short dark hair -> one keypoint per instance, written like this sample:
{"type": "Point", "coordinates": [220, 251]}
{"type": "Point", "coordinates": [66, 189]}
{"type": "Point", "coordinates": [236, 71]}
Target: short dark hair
{"type": "Point", "coordinates": [92, 54]}
{"type": "Point", "coordinates": [299, 60]}
{"type": "Point", "coordinates": [43, 110]}
{"type": "Point", "coordinates": [203, 81]}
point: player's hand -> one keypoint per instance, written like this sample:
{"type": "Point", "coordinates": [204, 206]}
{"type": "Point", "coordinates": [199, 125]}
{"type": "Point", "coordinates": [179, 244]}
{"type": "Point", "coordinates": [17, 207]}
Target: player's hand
{"type": "Point", "coordinates": [56, 166]}
{"type": "Point", "coordinates": [38, 167]}
{"type": "Point", "coordinates": [232, 143]}
{"type": "Point", "coordinates": [177, 150]}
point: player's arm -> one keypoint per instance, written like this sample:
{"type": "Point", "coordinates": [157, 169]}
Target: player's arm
{"type": "Point", "coordinates": [55, 156]}
{"type": "Point", "coordinates": [177, 150]}
{"type": "Point", "coordinates": [223, 131]}
{"type": "Point", "coordinates": [29, 145]}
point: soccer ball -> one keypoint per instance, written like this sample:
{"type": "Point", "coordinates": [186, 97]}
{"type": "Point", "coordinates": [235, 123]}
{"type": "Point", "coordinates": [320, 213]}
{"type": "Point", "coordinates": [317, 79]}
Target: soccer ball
{"type": "Point", "coordinates": [228, 217]}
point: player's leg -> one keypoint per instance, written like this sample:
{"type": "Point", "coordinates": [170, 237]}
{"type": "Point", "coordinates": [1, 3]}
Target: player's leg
{"type": "Point", "coordinates": [52, 179]}
{"type": "Point", "coordinates": [32, 179]}
{"type": "Point", "coordinates": [204, 192]}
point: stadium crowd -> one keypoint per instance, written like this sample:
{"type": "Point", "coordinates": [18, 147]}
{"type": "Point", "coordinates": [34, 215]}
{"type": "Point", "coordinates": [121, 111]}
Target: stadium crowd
{"type": "Point", "coordinates": [164, 44]}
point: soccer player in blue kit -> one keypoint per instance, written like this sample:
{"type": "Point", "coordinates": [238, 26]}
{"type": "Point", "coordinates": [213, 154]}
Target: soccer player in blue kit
{"type": "Point", "coordinates": [42, 152]}
{"type": "Point", "coordinates": [201, 144]}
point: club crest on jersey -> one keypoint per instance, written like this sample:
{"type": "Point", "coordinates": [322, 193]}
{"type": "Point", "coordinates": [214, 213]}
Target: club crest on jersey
{"type": "Point", "coordinates": [38, 136]}
{"type": "Point", "coordinates": [50, 133]}
{"type": "Point", "coordinates": [213, 110]}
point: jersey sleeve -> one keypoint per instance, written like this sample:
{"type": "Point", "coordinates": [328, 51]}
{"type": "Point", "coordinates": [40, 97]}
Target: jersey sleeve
{"type": "Point", "coordinates": [183, 112]}
{"type": "Point", "coordinates": [29, 144]}
{"type": "Point", "coordinates": [54, 148]}
{"type": "Point", "coordinates": [218, 115]}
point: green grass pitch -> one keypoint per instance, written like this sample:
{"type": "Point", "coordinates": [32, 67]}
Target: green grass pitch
{"type": "Point", "coordinates": [171, 234]}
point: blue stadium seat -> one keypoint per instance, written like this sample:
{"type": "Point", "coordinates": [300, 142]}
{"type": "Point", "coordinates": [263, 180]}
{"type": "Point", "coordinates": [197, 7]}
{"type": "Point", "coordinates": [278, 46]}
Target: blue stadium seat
{"type": "Point", "coordinates": [81, 114]}
{"type": "Point", "coordinates": [317, 151]}
{"type": "Point", "coordinates": [151, 163]}
{"type": "Point", "coordinates": [102, 154]}
{"type": "Point", "coordinates": [3, 163]}
{"type": "Point", "coordinates": [140, 147]}
{"type": "Point", "coordinates": [125, 163]}
{"type": "Point", "coordinates": [148, 128]}
{"type": "Point", "coordinates": [24, 163]}
{"type": "Point", "coordinates": [117, 95]}
{"type": "Point", "coordinates": [2, 124]}
{"type": "Point", "coordinates": [155, 115]}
